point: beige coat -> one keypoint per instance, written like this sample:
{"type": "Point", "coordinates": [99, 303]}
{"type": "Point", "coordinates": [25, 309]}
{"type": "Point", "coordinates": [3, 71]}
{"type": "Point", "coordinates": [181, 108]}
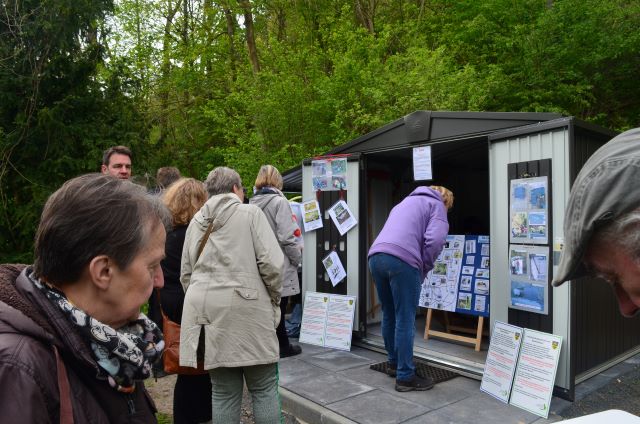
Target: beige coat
{"type": "Point", "coordinates": [233, 289]}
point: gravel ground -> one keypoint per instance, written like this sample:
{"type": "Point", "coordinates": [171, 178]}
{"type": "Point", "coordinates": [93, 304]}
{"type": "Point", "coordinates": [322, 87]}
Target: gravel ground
{"type": "Point", "coordinates": [161, 391]}
{"type": "Point", "coordinates": [620, 393]}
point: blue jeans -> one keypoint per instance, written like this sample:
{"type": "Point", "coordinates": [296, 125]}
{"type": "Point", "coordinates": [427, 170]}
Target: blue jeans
{"type": "Point", "coordinates": [398, 285]}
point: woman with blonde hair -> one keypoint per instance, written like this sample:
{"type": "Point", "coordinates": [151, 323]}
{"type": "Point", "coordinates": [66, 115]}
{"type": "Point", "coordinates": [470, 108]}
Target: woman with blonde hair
{"type": "Point", "coordinates": [399, 259]}
{"type": "Point", "coordinates": [276, 207]}
{"type": "Point", "coordinates": [192, 393]}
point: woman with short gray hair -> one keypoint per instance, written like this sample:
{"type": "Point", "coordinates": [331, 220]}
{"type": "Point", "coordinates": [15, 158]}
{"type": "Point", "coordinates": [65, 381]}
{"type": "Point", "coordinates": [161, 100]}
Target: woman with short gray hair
{"type": "Point", "coordinates": [232, 297]}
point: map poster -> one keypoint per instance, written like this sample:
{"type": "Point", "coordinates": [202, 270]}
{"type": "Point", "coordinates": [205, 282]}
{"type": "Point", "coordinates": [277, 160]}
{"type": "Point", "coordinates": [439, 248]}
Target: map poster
{"type": "Point", "coordinates": [536, 372]}
{"type": "Point", "coordinates": [327, 320]}
{"type": "Point", "coordinates": [440, 286]}
{"type": "Point", "coordinates": [502, 357]}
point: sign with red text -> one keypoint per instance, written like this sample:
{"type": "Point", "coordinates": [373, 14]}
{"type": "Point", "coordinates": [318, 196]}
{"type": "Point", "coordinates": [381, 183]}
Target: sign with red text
{"type": "Point", "coordinates": [327, 320]}
{"type": "Point", "coordinates": [536, 372]}
{"type": "Point", "coordinates": [502, 357]}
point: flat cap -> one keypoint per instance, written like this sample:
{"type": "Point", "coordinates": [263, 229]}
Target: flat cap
{"type": "Point", "coordinates": [607, 187]}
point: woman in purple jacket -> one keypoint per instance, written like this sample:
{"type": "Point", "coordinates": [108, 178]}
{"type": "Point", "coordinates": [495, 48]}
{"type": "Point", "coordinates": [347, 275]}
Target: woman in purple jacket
{"type": "Point", "coordinates": [399, 259]}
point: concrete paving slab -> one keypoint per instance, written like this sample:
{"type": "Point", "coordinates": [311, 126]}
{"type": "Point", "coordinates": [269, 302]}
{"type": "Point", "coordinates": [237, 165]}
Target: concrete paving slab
{"type": "Point", "coordinates": [442, 394]}
{"type": "Point", "coordinates": [477, 409]}
{"type": "Point", "coordinates": [310, 350]}
{"type": "Point", "coordinates": [377, 407]}
{"type": "Point", "coordinates": [294, 370]}
{"type": "Point", "coordinates": [337, 360]}
{"type": "Point", "coordinates": [328, 388]}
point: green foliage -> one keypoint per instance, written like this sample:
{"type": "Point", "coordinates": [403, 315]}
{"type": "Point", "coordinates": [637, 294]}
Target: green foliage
{"type": "Point", "coordinates": [173, 79]}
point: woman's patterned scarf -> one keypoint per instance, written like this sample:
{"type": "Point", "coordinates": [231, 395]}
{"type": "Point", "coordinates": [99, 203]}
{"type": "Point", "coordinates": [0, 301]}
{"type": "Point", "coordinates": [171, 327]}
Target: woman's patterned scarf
{"type": "Point", "coordinates": [126, 354]}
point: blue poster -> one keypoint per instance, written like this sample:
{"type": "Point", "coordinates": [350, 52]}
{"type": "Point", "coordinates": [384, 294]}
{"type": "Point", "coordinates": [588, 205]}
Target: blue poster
{"type": "Point", "coordinates": [474, 283]}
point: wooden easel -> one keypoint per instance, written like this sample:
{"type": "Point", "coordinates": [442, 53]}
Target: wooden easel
{"type": "Point", "coordinates": [476, 341]}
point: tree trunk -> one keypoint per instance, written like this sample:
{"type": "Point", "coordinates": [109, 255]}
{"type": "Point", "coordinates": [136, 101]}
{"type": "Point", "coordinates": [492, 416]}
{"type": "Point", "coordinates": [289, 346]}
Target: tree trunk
{"type": "Point", "coordinates": [231, 31]}
{"type": "Point", "coordinates": [365, 12]}
{"type": "Point", "coordinates": [165, 71]}
{"type": "Point", "coordinates": [251, 39]}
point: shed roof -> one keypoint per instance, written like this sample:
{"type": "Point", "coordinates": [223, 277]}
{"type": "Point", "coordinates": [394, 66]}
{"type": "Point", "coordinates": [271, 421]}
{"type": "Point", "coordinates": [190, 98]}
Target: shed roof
{"type": "Point", "coordinates": [424, 127]}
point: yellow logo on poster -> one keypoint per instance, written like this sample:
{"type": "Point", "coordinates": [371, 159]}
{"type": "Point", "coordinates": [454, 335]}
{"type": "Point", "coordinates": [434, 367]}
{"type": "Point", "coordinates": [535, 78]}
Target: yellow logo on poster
{"type": "Point", "coordinates": [554, 345]}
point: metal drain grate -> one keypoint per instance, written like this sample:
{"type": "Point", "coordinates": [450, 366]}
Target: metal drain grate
{"type": "Point", "coordinates": [423, 370]}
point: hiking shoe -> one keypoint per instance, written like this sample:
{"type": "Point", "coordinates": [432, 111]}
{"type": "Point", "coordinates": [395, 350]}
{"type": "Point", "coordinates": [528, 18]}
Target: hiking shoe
{"type": "Point", "coordinates": [291, 350]}
{"type": "Point", "coordinates": [392, 369]}
{"type": "Point", "coordinates": [416, 383]}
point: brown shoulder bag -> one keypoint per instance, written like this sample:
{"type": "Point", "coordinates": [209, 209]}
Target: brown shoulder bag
{"type": "Point", "coordinates": [171, 330]}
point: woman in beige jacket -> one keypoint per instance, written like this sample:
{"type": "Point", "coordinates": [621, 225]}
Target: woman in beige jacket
{"type": "Point", "coordinates": [232, 296]}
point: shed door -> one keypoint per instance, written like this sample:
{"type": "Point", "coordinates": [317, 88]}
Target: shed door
{"type": "Point", "coordinates": [321, 242]}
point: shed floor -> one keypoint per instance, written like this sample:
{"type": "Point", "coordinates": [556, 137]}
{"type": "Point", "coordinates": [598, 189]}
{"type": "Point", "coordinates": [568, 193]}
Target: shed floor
{"type": "Point", "coordinates": [448, 351]}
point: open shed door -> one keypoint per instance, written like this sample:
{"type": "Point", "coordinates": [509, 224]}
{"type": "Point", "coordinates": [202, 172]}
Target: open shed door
{"type": "Point", "coordinates": [521, 155]}
{"type": "Point", "coordinates": [321, 242]}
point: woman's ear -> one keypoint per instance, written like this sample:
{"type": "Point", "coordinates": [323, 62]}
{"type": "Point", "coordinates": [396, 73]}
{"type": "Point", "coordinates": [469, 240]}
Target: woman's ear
{"type": "Point", "coordinates": [101, 271]}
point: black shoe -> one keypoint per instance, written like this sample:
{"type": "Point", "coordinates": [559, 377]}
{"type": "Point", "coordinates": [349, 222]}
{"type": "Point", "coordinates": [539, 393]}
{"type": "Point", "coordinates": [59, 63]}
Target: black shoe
{"type": "Point", "coordinates": [291, 350]}
{"type": "Point", "coordinates": [392, 369]}
{"type": "Point", "coordinates": [416, 383]}
{"type": "Point", "coordinates": [159, 373]}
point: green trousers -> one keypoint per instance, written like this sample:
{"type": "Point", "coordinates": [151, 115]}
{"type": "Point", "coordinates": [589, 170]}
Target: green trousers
{"type": "Point", "coordinates": [262, 382]}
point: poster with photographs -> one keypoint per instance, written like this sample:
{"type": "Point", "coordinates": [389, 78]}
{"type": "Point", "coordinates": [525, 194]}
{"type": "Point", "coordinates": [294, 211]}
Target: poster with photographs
{"type": "Point", "coordinates": [529, 269]}
{"type": "Point", "coordinates": [528, 202]}
{"type": "Point", "coordinates": [475, 282]}
{"type": "Point", "coordinates": [459, 280]}
{"type": "Point", "coordinates": [311, 218]}
{"type": "Point", "coordinates": [342, 217]}
{"type": "Point", "coordinates": [334, 268]}
{"type": "Point", "coordinates": [329, 174]}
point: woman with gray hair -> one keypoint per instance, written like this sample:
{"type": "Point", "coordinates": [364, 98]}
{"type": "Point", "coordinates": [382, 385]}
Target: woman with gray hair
{"type": "Point", "coordinates": [232, 297]}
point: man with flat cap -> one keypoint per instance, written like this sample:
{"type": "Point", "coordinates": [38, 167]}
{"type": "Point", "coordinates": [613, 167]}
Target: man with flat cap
{"type": "Point", "coordinates": [602, 221]}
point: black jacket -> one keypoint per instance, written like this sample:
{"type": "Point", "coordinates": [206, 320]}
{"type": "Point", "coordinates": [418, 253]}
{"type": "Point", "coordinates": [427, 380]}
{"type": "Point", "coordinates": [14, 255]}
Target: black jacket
{"type": "Point", "coordinates": [31, 331]}
{"type": "Point", "coordinates": [172, 294]}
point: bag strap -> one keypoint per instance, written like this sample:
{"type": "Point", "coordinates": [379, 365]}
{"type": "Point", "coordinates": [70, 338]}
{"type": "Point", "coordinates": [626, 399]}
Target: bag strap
{"type": "Point", "coordinates": [66, 409]}
{"type": "Point", "coordinates": [203, 243]}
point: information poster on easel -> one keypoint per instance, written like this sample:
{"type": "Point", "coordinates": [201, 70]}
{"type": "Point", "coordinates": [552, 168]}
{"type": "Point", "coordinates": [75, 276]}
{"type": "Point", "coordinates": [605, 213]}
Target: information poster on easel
{"type": "Point", "coordinates": [327, 320]}
{"type": "Point", "coordinates": [459, 281]}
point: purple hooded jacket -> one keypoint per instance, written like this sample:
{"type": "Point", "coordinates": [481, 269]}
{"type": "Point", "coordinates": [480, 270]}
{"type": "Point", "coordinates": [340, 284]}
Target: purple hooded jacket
{"type": "Point", "coordinates": [416, 230]}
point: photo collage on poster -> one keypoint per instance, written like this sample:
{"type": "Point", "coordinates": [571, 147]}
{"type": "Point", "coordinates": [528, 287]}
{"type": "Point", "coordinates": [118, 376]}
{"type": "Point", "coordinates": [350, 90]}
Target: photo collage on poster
{"type": "Point", "coordinates": [459, 281]}
{"type": "Point", "coordinates": [529, 206]}
{"type": "Point", "coordinates": [329, 174]}
{"type": "Point", "coordinates": [528, 269]}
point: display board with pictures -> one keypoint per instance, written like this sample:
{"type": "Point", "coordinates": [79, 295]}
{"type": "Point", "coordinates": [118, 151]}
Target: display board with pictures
{"type": "Point", "coordinates": [529, 279]}
{"type": "Point", "coordinates": [529, 210]}
{"type": "Point", "coordinates": [459, 280]}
